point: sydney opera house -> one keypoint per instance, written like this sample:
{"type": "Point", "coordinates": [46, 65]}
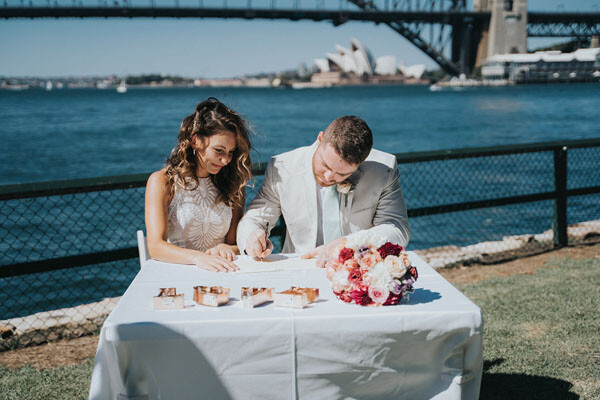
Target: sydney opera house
{"type": "Point", "coordinates": [357, 65]}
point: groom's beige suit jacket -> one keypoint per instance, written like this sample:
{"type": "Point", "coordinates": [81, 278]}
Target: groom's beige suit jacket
{"type": "Point", "coordinates": [374, 202]}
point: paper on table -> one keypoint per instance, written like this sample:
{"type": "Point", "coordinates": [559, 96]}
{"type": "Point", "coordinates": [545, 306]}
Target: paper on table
{"type": "Point", "coordinates": [272, 263]}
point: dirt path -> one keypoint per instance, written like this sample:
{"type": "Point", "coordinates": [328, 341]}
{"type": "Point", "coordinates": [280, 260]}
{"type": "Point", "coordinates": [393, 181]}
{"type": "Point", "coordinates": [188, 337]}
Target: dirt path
{"type": "Point", "coordinates": [75, 351]}
{"type": "Point", "coordinates": [526, 265]}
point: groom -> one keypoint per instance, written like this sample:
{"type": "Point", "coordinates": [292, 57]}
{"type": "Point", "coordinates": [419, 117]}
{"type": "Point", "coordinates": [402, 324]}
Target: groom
{"type": "Point", "coordinates": [337, 186]}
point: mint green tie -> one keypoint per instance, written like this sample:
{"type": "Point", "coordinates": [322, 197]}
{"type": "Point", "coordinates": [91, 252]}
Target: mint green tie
{"type": "Point", "coordinates": [331, 214]}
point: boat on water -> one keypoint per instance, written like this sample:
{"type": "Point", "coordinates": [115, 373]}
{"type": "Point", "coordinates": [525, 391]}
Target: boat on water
{"type": "Point", "coordinates": [15, 87]}
{"type": "Point", "coordinates": [122, 88]}
{"type": "Point", "coordinates": [455, 83]}
{"type": "Point", "coordinates": [310, 85]}
{"type": "Point", "coordinates": [48, 85]}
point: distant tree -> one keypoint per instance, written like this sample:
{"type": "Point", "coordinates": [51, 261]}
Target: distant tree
{"type": "Point", "coordinates": [434, 75]}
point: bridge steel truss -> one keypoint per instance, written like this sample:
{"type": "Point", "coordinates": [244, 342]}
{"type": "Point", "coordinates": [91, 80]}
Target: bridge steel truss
{"type": "Point", "coordinates": [436, 27]}
{"type": "Point", "coordinates": [575, 25]}
{"type": "Point", "coordinates": [431, 25]}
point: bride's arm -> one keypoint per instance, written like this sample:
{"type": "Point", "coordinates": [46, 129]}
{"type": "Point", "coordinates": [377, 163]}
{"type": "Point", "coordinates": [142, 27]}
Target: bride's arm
{"type": "Point", "coordinates": [237, 213]}
{"type": "Point", "coordinates": [229, 249]}
{"type": "Point", "coordinates": [158, 193]}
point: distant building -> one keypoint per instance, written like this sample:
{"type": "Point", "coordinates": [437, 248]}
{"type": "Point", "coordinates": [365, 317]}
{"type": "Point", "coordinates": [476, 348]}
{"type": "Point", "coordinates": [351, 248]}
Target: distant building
{"type": "Point", "coordinates": [543, 66]}
{"type": "Point", "coordinates": [386, 65]}
{"type": "Point", "coordinates": [414, 71]}
{"type": "Point", "coordinates": [258, 82]}
{"type": "Point", "coordinates": [356, 64]}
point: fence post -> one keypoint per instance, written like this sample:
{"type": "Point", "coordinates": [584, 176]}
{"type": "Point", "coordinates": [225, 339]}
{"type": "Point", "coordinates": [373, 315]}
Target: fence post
{"type": "Point", "coordinates": [559, 224]}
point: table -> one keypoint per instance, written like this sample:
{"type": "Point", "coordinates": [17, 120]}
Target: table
{"type": "Point", "coordinates": [428, 347]}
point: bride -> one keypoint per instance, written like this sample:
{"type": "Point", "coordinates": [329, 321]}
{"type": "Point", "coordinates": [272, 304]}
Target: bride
{"type": "Point", "coordinates": [194, 204]}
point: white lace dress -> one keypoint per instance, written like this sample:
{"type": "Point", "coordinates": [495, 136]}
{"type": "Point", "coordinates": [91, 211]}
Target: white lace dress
{"type": "Point", "coordinates": [195, 221]}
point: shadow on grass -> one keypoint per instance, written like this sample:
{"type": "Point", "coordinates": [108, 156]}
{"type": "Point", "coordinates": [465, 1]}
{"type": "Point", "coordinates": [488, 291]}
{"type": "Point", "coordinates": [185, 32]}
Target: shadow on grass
{"type": "Point", "coordinates": [522, 386]}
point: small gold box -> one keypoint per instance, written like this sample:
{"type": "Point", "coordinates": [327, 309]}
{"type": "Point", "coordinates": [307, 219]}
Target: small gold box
{"type": "Point", "coordinates": [253, 297]}
{"type": "Point", "coordinates": [213, 296]}
{"type": "Point", "coordinates": [168, 299]}
{"type": "Point", "coordinates": [311, 293]}
{"type": "Point", "coordinates": [290, 298]}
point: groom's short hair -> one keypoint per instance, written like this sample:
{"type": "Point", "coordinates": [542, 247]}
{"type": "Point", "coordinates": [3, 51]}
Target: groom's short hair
{"type": "Point", "coordinates": [351, 138]}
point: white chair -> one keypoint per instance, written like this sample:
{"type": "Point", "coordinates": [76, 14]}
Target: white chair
{"type": "Point", "coordinates": [142, 248]}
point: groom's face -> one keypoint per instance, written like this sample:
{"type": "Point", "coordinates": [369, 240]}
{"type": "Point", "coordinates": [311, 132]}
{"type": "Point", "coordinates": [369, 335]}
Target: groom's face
{"type": "Point", "coordinates": [328, 166]}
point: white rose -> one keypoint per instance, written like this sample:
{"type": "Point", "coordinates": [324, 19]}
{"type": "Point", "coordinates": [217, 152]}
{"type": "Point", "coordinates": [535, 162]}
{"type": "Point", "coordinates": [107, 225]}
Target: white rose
{"type": "Point", "coordinates": [395, 266]}
{"type": "Point", "coordinates": [340, 280]}
{"type": "Point", "coordinates": [379, 276]}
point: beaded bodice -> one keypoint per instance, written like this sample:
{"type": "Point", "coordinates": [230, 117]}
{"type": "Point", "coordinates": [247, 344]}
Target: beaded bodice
{"type": "Point", "coordinates": [195, 221]}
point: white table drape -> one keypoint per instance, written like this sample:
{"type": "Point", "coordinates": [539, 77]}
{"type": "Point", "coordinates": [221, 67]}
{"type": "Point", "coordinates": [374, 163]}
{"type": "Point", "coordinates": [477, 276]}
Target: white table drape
{"type": "Point", "coordinates": [428, 347]}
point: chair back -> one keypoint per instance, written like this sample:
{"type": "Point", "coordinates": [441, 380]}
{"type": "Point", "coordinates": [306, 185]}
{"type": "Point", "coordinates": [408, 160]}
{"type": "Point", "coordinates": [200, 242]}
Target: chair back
{"type": "Point", "coordinates": [142, 248]}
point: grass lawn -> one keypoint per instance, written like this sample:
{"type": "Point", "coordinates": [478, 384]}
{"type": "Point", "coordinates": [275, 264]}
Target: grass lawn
{"type": "Point", "coordinates": [541, 340]}
{"type": "Point", "coordinates": [68, 382]}
{"type": "Point", "coordinates": [542, 332]}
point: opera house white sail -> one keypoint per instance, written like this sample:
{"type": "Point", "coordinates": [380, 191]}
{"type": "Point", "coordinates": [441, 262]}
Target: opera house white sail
{"type": "Point", "coordinates": [359, 61]}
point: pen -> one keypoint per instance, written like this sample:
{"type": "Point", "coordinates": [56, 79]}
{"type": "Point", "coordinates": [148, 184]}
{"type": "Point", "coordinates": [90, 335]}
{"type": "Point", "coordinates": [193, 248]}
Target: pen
{"type": "Point", "coordinates": [266, 237]}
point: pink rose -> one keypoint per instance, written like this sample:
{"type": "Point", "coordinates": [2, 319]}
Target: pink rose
{"type": "Point", "coordinates": [350, 264]}
{"type": "Point", "coordinates": [368, 261]}
{"type": "Point", "coordinates": [379, 295]}
{"type": "Point", "coordinates": [355, 276]}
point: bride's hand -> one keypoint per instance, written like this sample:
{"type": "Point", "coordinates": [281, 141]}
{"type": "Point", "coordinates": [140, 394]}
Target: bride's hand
{"type": "Point", "coordinates": [214, 263]}
{"type": "Point", "coordinates": [222, 250]}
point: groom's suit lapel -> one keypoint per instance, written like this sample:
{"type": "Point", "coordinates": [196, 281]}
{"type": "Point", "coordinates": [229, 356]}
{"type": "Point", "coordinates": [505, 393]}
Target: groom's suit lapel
{"type": "Point", "coordinates": [308, 204]}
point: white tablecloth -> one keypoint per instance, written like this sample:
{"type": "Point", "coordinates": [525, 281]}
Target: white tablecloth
{"type": "Point", "coordinates": [428, 347]}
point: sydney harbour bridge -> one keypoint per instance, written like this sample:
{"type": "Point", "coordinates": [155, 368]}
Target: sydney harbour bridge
{"type": "Point", "coordinates": [454, 36]}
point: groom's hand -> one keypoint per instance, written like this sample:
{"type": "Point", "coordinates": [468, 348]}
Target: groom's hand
{"type": "Point", "coordinates": [258, 244]}
{"type": "Point", "coordinates": [322, 252]}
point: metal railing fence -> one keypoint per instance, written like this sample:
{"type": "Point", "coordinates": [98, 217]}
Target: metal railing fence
{"type": "Point", "coordinates": [72, 243]}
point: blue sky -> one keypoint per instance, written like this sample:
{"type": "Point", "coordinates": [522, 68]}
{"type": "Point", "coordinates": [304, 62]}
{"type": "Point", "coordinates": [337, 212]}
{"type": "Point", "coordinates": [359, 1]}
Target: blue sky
{"type": "Point", "coordinates": [199, 47]}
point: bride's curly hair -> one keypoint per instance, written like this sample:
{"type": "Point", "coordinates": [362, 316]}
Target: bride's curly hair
{"type": "Point", "coordinates": [209, 118]}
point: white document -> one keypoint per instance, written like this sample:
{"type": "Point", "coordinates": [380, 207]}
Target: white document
{"type": "Point", "coordinates": [273, 263]}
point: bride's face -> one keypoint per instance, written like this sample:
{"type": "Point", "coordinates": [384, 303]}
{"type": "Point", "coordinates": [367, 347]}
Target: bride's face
{"type": "Point", "coordinates": [214, 152]}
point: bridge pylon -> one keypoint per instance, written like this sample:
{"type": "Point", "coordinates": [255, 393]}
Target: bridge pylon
{"type": "Point", "coordinates": [506, 31]}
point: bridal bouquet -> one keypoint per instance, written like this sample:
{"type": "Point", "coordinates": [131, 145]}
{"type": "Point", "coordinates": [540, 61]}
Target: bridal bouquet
{"type": "Point", "coordinates": [366, 270]}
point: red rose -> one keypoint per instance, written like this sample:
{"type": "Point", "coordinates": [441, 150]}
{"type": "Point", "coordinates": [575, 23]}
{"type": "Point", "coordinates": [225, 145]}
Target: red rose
{"type": "Point", "coordinates": [345, 296]}
{"type": "Point", "coordinates": [361, 297]}
{"type": "Point", "coordinates": [390, 249]}
{"type": "Point", "coordinates": [345, 254]}
{"type": "Point", "coordinates": [413, 272]}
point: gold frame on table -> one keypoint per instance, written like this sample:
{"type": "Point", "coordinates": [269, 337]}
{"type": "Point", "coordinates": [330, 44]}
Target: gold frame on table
{"type": "Point", "coordinates": [168, 299]}
{"type": "Point", "coordinates": [213, 296]}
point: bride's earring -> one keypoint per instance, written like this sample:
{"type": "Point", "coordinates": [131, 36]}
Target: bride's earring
{"type": "Point", "coordinates": [194, 151]}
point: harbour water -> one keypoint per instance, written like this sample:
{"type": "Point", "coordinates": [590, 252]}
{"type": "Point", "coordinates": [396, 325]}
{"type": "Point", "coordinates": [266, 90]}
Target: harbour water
{"type": "Point", "coordinates": [68, 134]}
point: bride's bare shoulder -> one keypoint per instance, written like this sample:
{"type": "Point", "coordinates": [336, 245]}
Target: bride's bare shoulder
{"type": "Point", "coordinates": [158, 179]}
